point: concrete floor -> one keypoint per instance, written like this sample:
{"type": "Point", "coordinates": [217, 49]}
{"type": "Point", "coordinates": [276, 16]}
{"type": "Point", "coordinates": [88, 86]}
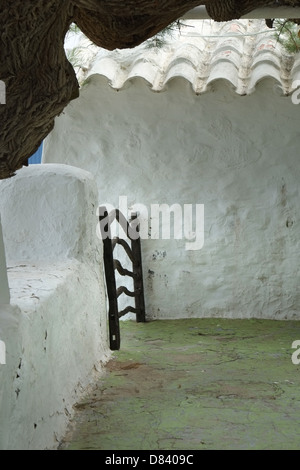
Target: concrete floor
{"type": "Point", "coordinates": [195, 384]}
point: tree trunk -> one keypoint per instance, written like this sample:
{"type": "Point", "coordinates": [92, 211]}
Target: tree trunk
{"type": "Point", "coordinates": [39, 80]}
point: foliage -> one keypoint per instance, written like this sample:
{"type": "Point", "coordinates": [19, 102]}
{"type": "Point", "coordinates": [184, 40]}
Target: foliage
{"type": "Point", "coordinates": [74, 29]}
{"type": "Point", "coordinates": [287, 34]}
{"type": "Point", "coordinates": [161, 38]}
{"type": "Point", "coordinates": [81, 55]}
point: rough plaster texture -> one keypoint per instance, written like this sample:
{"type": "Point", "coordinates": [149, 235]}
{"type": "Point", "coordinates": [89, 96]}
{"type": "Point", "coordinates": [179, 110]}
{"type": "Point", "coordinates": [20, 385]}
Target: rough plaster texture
{"type": "Point", "coordinates": [236, 155]}
{"type": "Point", "coordinates": [55, 327]}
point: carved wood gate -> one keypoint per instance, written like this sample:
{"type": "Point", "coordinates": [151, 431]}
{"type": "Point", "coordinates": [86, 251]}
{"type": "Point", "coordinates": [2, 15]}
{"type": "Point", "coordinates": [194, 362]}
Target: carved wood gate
{"type": "Point", "coordinates": [111, 264]}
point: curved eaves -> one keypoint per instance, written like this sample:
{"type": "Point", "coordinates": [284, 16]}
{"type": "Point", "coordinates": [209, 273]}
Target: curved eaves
{"type": "Point", "coordinates": [242, 61]}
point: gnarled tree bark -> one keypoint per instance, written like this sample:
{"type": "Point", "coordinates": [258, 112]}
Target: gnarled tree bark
{"type": "Point", "coordinates": [39, 80]}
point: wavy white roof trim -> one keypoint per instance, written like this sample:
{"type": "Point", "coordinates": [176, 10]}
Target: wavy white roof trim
{"type": "Point", "coordinates": [242, 52]}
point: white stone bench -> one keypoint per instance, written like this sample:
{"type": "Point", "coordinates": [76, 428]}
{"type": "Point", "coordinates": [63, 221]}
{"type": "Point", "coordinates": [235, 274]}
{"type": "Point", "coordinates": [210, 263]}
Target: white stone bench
{"type": "Point", "coordinates": [54, 324]}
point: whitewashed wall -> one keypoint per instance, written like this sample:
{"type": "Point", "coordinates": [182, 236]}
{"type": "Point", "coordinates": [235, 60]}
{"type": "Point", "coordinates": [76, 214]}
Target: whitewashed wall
{"type": "Point", "coordinates": [55, 328]}
{"type": "Point", "coordinates": [237, 155]}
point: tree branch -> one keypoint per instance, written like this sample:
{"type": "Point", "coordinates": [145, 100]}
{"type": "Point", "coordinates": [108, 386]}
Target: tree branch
{"type": "Point", "coordinates": [39, 80]}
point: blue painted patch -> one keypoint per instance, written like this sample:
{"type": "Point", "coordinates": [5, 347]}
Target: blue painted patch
{"type": "Point", "coordinates": [36, 157]}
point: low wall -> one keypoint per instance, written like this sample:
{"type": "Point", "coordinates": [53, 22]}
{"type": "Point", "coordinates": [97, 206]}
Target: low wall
{"type": "Point", "coordinates": [54, 328]}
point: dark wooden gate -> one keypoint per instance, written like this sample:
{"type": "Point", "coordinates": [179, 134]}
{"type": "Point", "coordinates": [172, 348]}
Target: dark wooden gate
{"type": "Point", "coordinates": [111, 264]}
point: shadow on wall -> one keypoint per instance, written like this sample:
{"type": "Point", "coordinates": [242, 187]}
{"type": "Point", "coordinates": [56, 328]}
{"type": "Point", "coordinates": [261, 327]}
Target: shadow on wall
{"type": "Point", "coordinates": [4, 289]}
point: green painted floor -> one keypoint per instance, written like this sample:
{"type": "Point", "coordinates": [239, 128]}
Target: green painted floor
{"type": "Point", "coordinates": [195, 384]}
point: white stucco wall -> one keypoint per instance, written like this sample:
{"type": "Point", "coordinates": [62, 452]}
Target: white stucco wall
{"type": "Point", "coordinates": [237, 155]}
{"type": "Point", "coordinates": [55, 327]}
